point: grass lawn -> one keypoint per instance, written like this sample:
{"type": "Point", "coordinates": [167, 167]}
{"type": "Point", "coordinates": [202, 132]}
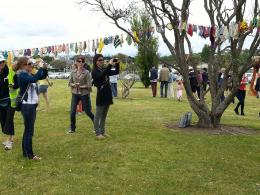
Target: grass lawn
{"type": "Point", "coordinates": [142, 156]}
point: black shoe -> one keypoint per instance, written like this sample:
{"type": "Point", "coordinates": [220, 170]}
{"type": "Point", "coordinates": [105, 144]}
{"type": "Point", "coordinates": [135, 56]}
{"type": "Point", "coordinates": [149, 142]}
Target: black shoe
{"type": "Point", "coordinates": [236, 111]}
{"type": "Point", "coordinates": [242, 114]}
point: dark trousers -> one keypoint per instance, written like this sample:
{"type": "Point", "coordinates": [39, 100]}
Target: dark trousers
{"type": "Point", "coordinates": [100, 119]}
{"type": "Point", "coordinates": [241, 95]}
{"type": "Point", "coordinates": [3, 115]}
{"type": "Point", "coordinates": [114, 89]}
{"type": "Point", "coordinates": [86, 106]}
{"type": "Point", "coordinates": [29, 117]}
{"type": "Point", "coordinates": [9, 125]}
{"type": "Point", "coordinates": [154, 88]}
{"type": "Point", "coordinates": [164, 84]}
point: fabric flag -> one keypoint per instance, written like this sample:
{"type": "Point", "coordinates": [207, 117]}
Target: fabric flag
{"type": "Point", "coordinates": [76, 48]}
{"type": "Point", "coordinates": [36, 51]}
{"type": "Point", "coordinates": [190, 30]}
{"type": "Point", "coordinates": [84, 46]}
{"type": "Point", "coordinates": [88, 45]}
{"type": "Point", "coordinates": [93, 46]}
{"type": "Point", "coordinates": [97, 43]}
{"type": "Point", "coordinates": [117, 41]}
{"type": "Point", "coordinates": [169, 26]}
{"type": "Point", "coordinates": [9, 59]}
{"type": "Point", "coordinates": [136, 37]}
{"type": "Point", "coordinates": [101, 45]}
{"type": "Point", "coordinates": [71, 46]}
{"type": "Point", "coordinates": [80, 47]}
{"type": "Point", "coordinates": [122, 39]}
{"type": "Point", "coordinates": [110, 40]}
{"type": "Point", "coordinates": [243, 26]}
{"type": "Point", "coordinates": [129, 40]}
{"type": "Point", "coordinates": [106, 41]}
{"type": "Point", "coordinates": [63, 47]}
{"type": "Point", "coordinates": [67, 50]}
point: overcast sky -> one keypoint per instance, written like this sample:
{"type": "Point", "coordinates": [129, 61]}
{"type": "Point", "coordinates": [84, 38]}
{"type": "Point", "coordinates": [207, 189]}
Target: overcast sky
{"type": "Point", "coordinates": [38, 23]}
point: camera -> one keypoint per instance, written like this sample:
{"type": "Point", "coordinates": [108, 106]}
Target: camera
{"type": "Point", "coordinates": [115, 60]}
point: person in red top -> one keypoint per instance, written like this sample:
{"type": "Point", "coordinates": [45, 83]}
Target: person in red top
{"type": "Point", "coordinates": [241, 95]}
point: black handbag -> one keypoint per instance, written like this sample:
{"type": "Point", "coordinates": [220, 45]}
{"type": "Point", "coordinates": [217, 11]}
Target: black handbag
{"type": "Point", "coordinates": [20, 98]}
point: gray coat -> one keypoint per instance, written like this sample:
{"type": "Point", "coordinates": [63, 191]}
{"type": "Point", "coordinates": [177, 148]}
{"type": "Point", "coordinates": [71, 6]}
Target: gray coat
{"type": "Point", "coordinates": [84, 80]}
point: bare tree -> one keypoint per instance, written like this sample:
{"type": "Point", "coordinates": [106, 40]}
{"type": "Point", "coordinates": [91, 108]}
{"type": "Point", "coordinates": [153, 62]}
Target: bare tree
{"type": "Point", "coordinates": [164, 12]}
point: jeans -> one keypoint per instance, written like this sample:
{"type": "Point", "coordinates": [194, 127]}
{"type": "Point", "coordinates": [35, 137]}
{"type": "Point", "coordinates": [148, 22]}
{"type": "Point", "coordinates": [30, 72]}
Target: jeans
{"type": "Point", "coordinates": [164, 84]}
{"type": "Point", "coordinates": [86, 106]}
{"type": "Point", "coordinates": [100, 119]}
{"type": "Point", "coordinates": [114, 89]}
{"type": "Point", "coordinates": [29, 116]}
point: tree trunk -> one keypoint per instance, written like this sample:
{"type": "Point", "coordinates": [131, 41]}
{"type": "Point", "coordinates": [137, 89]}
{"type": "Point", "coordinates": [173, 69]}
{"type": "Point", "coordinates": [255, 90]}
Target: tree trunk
{"type": "Point", "coordinates": [207, 121]}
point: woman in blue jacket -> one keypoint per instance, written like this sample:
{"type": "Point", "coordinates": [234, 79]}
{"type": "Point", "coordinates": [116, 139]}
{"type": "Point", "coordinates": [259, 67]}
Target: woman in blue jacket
{"type": "Point", "coordinates": [30, 102]}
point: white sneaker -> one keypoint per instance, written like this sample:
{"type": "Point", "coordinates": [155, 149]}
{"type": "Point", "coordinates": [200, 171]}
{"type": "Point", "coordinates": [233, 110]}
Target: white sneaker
{"type": "Point", "coordinates": [5, 142]}
{"type": "Point", "coordinates": [9, 146]}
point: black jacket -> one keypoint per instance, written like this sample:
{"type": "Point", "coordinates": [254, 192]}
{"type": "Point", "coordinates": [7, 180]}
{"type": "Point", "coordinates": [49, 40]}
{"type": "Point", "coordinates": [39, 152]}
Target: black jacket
{"type": "Point", "coordinates": [4, 85]}
{"type": "Point", "coordinates": [153, 74]}
{"type": "Point", "coordinates": [101, 81]}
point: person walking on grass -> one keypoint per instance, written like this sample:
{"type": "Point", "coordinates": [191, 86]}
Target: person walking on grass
{"type": "Point", "coordinates": [100, 75]}
{"type": "Point", "coordinates": [241, 95]}
{"type": "Point", "coordinates": [153, 80]}
{"type": "Point", "coordinates": [163, 78]}
{"type": "Point", "coordinates": [80, 83]}
{"type": "Point", "coordinates": [28, 86]}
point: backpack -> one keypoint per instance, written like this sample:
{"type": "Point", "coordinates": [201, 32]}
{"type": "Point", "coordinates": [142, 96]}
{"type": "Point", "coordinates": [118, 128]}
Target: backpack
{"type": "Point", "coordinates": [185, 120]}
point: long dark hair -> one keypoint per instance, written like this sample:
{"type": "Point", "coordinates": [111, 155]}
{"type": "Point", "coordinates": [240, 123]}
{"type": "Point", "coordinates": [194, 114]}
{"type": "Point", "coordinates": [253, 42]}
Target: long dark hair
{"type": "Point", "coordinates": [95, 59]}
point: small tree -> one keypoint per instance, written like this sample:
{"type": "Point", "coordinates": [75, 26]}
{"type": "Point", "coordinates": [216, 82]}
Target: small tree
{"type": "Point", "coordinates": [145, 59]}
{"type": "Point", "coordinates": [59, 64]}
{"type": "Point", "coordinates": [205, 53]}
{"type": "Point", "coordinates": [48, 59]}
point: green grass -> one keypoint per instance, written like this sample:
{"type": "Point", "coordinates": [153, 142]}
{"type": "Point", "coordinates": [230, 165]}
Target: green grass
{"type": "Point", "coordinates": [142, 156]}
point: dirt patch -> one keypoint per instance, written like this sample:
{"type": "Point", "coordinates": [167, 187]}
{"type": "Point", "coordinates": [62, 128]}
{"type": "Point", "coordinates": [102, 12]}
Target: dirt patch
{"type": "Point", "coordinates": [223, 130]}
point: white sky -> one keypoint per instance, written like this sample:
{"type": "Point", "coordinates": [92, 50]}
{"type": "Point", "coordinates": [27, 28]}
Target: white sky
{"type": "Point", "coordinates": [37, 23]}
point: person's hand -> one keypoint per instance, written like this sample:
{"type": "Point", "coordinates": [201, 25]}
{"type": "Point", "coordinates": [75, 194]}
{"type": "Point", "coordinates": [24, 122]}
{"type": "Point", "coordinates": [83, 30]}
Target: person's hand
{"type": "Point", "coordinates": [111, 61]}
{"type": "Point", "coordinates": [51, 84]}
{"type": "Point", "coordinates": [45, 65]}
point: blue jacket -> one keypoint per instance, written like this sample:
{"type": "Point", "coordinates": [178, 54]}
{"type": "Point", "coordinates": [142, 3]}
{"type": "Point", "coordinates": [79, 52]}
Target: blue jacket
{"type": "Point", "coordinates": [153, 74]}
{"type": "Point", "coordinates": [24, 78]}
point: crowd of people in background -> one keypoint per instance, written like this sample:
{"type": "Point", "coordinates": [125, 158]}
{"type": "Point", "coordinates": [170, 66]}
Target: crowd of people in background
{"type": "Point", "coordinates": [166, 77]}
{"type": "Point", "coordinates": [199, 82]}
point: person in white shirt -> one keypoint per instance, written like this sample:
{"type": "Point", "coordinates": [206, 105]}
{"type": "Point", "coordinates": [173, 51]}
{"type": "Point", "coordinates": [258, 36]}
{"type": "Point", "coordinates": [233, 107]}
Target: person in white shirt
{"type": "Point", "coordinates": [113, 83]}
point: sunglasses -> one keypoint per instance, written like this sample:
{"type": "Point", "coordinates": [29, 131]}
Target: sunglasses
{"type": "Point", "coordinates": [79, 61]}
{"type": "Point", "coordinates": [29, 63]}
{"type": "Point", "coordinates": [101, 60]}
